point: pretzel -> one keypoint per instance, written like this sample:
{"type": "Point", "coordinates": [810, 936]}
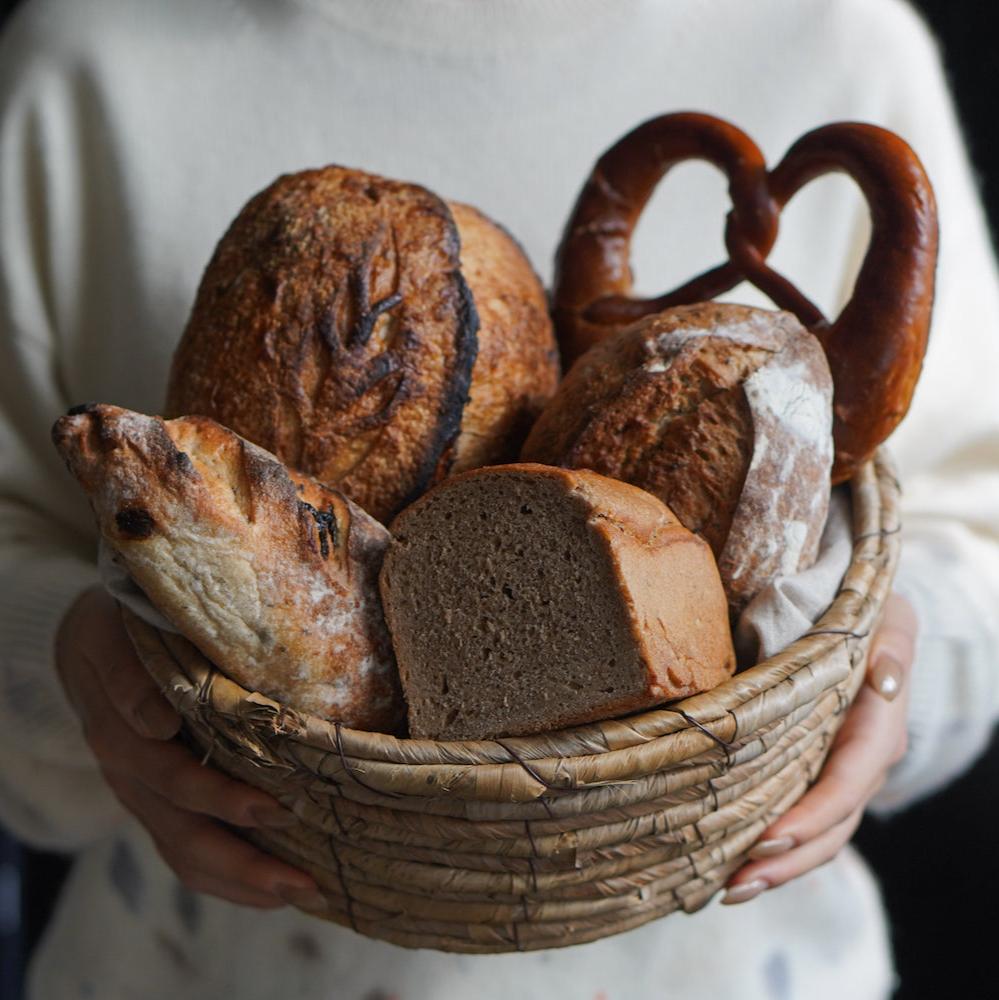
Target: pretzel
{"type": "Point", "coordinates": [875, 346]}
{"type": "Point", "coordinates": [592, 266]}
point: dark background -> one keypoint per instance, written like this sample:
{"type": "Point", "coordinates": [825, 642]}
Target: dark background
{"type": "Point", "coordinates": [939, 862]}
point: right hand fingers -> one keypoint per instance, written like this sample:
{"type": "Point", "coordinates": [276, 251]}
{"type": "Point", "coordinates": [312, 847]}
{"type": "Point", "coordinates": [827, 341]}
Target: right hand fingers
{"type": "Point", "coordinates": [93, 632]}
{"type": "Point", "coordinates": [169, 769]}
{"type": "Point", "coordinates": [134, 693]}
{"type": "Point", "coordinates": [107, 684]}
{"type": "Point", "coordinates": [128, 684]}
{"type": "Point", "coordinates": [207, 858]}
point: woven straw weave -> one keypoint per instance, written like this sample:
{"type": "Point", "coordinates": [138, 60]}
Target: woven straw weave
{"type": "Point", "coordinates": [539, 842]}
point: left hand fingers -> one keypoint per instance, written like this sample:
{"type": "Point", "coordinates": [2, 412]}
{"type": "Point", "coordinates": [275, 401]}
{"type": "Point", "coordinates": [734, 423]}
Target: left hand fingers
{"type": "Point", "coordinates": [863, 751]}
{"type": "Point", "coordinates": [871, 740]}
{"type": "Point", "coordinates": [756, 878]}
{"type": "Point", "coordinates": [866, 746]}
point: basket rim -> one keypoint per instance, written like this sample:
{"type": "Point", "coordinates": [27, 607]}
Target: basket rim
{"type": "Point", "coordinates": [710, 718]}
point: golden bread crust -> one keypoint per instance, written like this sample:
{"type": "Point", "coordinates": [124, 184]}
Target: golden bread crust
{"type": "Point", "coordinates": [368, 334]}
{"type": "Point", "coordinates": [333, 328]}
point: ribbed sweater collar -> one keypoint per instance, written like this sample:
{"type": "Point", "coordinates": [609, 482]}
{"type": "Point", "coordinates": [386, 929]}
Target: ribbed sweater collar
{"type": "Point", "coordinates": [474, 25]}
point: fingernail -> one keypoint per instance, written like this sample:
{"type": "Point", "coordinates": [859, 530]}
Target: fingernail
{"type": "Point", "coordinates": [275, 817]}
{"type": "Point", "coordinates": [156, 719]}
{"type": "Point", "coordinates": [745, 892]}
{"type": "Point", "coordinates": [304, 899]}
{"type": "Point", "coordinates": [886, 676]}
{"type": "Point", "coordinates": [769, 848]}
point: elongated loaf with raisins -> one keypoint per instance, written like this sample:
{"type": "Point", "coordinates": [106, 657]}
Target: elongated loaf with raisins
{"type": "Point", "coordinates": [272, 576]}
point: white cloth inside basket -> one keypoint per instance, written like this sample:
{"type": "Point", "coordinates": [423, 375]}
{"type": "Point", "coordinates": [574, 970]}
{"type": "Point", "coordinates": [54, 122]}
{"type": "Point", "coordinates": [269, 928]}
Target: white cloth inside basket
{"type": "Point", "coordinates": [783, 611]}
{"type": "Point", "coordinates": [789, 605]}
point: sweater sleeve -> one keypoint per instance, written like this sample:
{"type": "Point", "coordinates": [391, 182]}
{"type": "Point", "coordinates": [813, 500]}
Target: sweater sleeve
{"type": "Point", "coordinates": [51, 790]}
{"type": "Point", "coordinates": [948, 445]}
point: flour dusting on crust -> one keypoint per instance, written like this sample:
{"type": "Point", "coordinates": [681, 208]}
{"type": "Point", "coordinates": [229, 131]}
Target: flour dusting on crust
{"type": "Point", "coordinates": [779, 519]}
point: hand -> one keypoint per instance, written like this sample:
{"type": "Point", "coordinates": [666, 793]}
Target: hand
{"type": "Point", "coordinates": [129, 726]}
{"type": "Point", "coordinates": [871, 740]}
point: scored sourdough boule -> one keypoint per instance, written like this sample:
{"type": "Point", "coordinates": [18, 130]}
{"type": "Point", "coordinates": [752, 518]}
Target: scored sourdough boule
{"type": "Point", "coordinates": [369, 334]}
{"type": "Point", "coordinates": [271, 575]}
{"type": "Point", "coordinates": [523, 598]}
{"type": "Point", "coordinates": [722, 411]}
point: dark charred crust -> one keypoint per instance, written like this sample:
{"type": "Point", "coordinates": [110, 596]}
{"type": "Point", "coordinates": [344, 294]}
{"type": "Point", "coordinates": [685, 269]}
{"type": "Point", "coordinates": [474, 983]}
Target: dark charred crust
{"type": "Point", "coordinates": [439, 454]}
{"type": "Point", "coordinates": [381, 367]}
{"type": "Point", "coordinates": [365, 324]}
{"type": "Point", "coordinates": [107, 434]}
{"type": "Point", "coordinates": [58, 435]}
{"type": "Point", "coordinates": [363, 313]}
{"type": "Point", "coordinates": [401, 393]}
{"type": "Point", "coordinates": [326, 328]}
{"type": "Point", "coordinates": [270, 285]}
{"type": "Point", "coordinates": [135, 523]}
{"type": "Point", "coordinates": [80, 408]}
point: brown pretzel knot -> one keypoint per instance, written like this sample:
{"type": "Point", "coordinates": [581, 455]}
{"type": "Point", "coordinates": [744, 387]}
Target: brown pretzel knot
{"type": "Point", "coordinates": [875, 346]}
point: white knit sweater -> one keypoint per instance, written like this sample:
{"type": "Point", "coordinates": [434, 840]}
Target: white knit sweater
{"type": "Point", "coordinates": [132, 132]}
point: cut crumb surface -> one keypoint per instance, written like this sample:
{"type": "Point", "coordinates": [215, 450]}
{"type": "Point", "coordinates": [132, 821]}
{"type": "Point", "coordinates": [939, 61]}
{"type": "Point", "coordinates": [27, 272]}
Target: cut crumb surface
{"type": "Point", "coordinates": [507, 609]}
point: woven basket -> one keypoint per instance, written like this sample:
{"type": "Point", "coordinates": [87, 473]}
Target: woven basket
{"type": "Point", "coordinates": [539, 842]}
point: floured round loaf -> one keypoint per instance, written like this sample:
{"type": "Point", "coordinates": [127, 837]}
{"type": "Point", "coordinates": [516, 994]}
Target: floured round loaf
{"type": "Point", "coordinates": [722, 411]}
{"type": "Point", "coordinates": [367, 333]}
{"type": "Point", "coordinates": [272, 576]}
{"type": "Point", "coordinates": [523, 598]}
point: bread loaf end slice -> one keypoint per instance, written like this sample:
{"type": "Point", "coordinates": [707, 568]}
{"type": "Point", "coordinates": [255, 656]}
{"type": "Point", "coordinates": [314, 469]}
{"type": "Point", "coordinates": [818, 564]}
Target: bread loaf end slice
{"type": "Point", "coordinates": [525, 598]}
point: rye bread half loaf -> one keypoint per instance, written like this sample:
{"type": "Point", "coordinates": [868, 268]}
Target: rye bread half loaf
{"type": "Point", "coordinates": [272, 576]}
{"type": "Point", "coordinates": [722, 411]}
{"type": "Point", "coordinates": [523, 598]}
{"type": "Point", "coordinates": [338, 325]}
